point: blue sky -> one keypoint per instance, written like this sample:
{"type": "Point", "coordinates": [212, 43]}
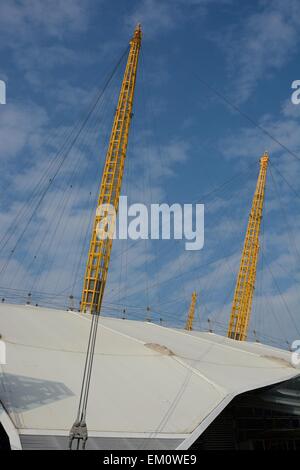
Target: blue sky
{"type": "Point", "coordinates": [185, 142]}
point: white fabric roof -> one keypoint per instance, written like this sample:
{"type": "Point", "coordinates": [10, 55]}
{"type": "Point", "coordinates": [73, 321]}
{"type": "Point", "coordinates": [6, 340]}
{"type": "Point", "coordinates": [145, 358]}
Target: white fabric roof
{"type": "Point", "coordinates": [138, 389]}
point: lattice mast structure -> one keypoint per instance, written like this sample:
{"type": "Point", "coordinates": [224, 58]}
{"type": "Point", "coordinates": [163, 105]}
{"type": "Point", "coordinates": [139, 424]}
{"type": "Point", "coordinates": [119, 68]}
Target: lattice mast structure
{"type": "Point", "coordinates": [191, 314]}
{"type": "Point", "coordinates": [100, 250]}
{"type": "Point", "coordinates": [243, 295]}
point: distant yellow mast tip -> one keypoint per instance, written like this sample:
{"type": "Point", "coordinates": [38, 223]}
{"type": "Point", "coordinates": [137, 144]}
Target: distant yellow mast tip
{"type": "Point", "coordinates": [191, 314]}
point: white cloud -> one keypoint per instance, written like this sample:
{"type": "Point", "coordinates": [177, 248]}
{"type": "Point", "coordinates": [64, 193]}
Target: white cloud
{"type": "Point", "coordinates": [164, 159]}
{"type": "Point", "coordinates": [20, 125]}
{"type": "Point", "coordinates": [261, 44]}
{"type": "Point", "coordinates": [160, 16]}
{"type": "Point", "coordinates": [32, 31]}
{"type": "Point", "coordinates": [154, 16]}
{"type": "Point", "coordinates": [53, 18]}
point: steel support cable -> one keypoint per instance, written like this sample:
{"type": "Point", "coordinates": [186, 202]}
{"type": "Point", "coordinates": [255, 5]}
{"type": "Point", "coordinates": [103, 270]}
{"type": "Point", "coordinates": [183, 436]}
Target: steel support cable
{"type": "Point", "coordinates": [269, 306]}
{"type": "Point", "coordinates": [15, 247]}
{"type": "Point", "coordinates": [135, 309]}
{"type": "Point", "coordinates": [262, 237]}
{"type": "Point", "coordinates": [179, 321]}
{"type": "Point", "coordinates": [84, 176]}
{"type": "Point", "coordinates": [20, 293]}
{"type": "Point", "coordinates": [207, 195]}
{"type": "Point", "coordinates": [69, 137]}
{"type": "Point", "coordinates": [81, 226]}
{"type": "Point", "coordinates": [283, 300]}
{"type": "Point", "coordinates": [66, 195]}
{"type": "Point", "coordinates": [204, 196]}
{"type": "Point", "coordinates": [120, 278]}
{"type": "Point", "coordinates": [49, 142]}
{"type": "Point", "coordinates": [51, 237]}
{"type": "Point", "coordinates": [228, 296]}
{"type": "Point", "coordinates": [189, 271]}
{"type": "Point", "coordinates": [161, 167]}
{"type": "Point", "coordinates": [286, 272]}
{"type": "Point", "coordinates": [221, 187]}
{"type": "Point", "coordinates": [224, 326]}
{"type": "Point", "coordinates": [90, 365]}
{"type": "Point", "coordinates": [170, 315]}
{"type": "Point", "coordinates": [24, 229]}
{"type": "Point", "coordinates": [47, 294]}
{"type": "Point", "coordinates": [127, 243]}
{"type": "Point", "coordinates": [85, 231]}
{"type": "Point", "coordinates": [152, 120]}
{"type": "Point", "coordinates": [60, 202]}
{"type": "Point", "coordinates": [69, 188]}
{"type": "Point", "coordinates": [197, 316]}
{"type": "Point", "coordinates": [176, 241]}
{"type": "Point", "coordinates": [173, 301]}
{"type": "Point", "coordinates": [284, 335]}
{"type": "Point", "coordinates": [85, 135]}
{"type": "Point", "coordinates": [128, 190]}
{"type": "Point", "coordinates": [62, 162]}
{"type": "Point", "coordinates": [34, 255]}
{"type": "Point", "coordinates": [105, 138]}
{"type": "Point", "coordinates": [83, 247]}
{"type": "Point", "coordinates": [246, 116]}
{"type": "Point", "coordinates": [285, 180]}
{"type": "Point", "coordinates": [216, 283]}
{"type": "Point", "coordinates": [284, 213]}
{"type": "Point", "coordinates": [85, 237]}
{"type": "Point", "coordinates": [38, 189]}
{"type": "Point", "coordinates": [34, 194]}
{"type": "Point", "coordinates": [178, 276]}
{"type": "Point", "coordinates": [259, 316]}
{"type": "Point", "coordinates": [79, 427]}
{"type": "Point", "coordinates": [263, 336]}
{"type": "Point", "coordinates": [146, 182]}
{"type": "Point", "coordinates": [124, 260]}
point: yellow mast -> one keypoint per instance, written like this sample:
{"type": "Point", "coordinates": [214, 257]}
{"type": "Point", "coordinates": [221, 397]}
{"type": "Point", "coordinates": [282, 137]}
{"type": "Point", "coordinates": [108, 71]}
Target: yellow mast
{"type": "Point", "coordinates": [191, 314]}
{"type": "Point", "coordinates": [243, 295]}
{"type": "Point", "coordinates": [100, 250]}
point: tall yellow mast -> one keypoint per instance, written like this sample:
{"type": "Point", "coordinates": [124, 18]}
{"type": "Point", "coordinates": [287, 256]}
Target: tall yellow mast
{"type": "Point", "coordinates": [100, 247]}
{"type": "Point", "coordinates": [100, 250]}
{"type": "Point", "coordinates": [191, 314]}
{"type": "Point", "coordinates": [243, 295]}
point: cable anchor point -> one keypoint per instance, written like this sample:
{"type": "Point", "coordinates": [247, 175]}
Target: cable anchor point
{"type": "Point", "coordinates": [79, 434]}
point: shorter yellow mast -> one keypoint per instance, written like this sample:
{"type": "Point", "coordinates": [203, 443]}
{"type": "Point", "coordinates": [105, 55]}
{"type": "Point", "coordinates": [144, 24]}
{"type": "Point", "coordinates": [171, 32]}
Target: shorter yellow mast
{"type": "Point", "coordinates": [191, 314]}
